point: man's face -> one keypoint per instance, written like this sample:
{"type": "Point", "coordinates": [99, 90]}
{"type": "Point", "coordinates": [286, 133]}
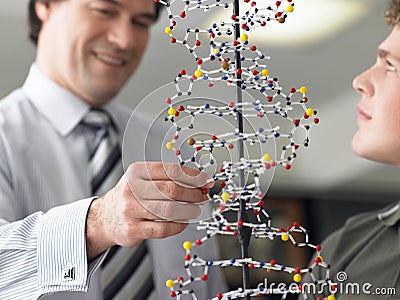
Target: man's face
{"type": "Point", "coordinates": [378, 135]}
{"type": "Point", "coordinates": [92, 47]}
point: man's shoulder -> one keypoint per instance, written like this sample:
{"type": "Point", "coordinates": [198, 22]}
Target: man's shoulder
{"type": "Point", "coordinates": [12, 99]}
{"type": "Point", "coordinates": [12, 105]}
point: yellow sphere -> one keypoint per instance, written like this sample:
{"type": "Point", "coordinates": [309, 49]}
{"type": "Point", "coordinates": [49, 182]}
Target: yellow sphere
{"type": "Point", "coordinates": [244, 37]}
{"type": "Point", "coordinates": [171, 111]}
{"type": "Point", "coordinates": [284, 237]}
{"type": "Point", "coordinates": [297, 278]}
{"type": "Point", "coordinates": [303, 90]}
{"type": "Point", "coordinates": [264, 72]}
{"type": "Point", "coordinates": [187, 245]}
{"type": "Point", "coordinates": [266, 157]}
{"type": "Point", "coordinates": [216, 51]}
{"type": "Point", "coordinates": [331, 297]}
{"type": "Point", "coordinates": [289, 9]}
{"type": "Point", "coordinates": [309, 112]}
{"type": "Point", "coordinates": [168, 30]}
{"type": "Point", "coordinates": [225, 196]}
{"type": "Point", "coordinates": [170, 145]}
{"type": "Point", "coordinates": [169, 283]}
{"type": "Point", "coordinates": [198, 73]}
{"type": "Point", "coordinates": [320, 257]}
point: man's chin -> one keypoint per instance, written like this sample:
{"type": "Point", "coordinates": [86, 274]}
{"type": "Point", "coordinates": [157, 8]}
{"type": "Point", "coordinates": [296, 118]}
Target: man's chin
{"type": "Point", "coordinates": [101, 98]}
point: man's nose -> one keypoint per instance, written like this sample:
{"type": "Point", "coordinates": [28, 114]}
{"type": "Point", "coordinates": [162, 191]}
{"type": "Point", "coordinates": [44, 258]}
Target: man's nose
{"type": "Point", "coordinates": [122, 35]}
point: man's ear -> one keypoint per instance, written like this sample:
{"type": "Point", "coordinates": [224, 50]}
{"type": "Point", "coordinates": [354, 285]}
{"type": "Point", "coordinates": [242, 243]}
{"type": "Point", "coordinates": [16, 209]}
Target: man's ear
{"type": "Point", "coordinates": [42, 10]}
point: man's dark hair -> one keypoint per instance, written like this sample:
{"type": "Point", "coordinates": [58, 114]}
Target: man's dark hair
{"type": "Point", "coordinates": [35, 24]}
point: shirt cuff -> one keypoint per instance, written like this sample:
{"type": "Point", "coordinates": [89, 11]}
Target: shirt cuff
{"type": "Point", "coordinates": [62, 259]}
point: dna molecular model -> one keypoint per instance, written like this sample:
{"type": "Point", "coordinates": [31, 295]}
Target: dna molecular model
{"type": "Point", "coordinates": [267, 124]}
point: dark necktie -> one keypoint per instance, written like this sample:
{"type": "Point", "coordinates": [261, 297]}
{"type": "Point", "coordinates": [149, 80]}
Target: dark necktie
{"type": "Point", "coordinates": [126, 272]}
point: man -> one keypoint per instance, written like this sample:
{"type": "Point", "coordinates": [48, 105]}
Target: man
{"type": "Point", "coordinates": [51, 246]}
{"type": "Point", "coordinates": [367, 248]}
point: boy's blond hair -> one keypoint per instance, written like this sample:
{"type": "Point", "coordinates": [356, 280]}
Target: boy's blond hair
{"type": "Point", "coordinates": [392, 14]}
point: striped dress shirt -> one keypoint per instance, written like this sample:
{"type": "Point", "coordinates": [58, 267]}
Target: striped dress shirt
{"type": "Point", "coordinates": [43, 173]}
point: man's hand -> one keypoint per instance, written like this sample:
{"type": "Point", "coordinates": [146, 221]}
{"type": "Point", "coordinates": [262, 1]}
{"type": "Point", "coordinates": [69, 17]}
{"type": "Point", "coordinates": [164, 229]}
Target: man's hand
{"type": "Point", "coordinates": [151, 200]}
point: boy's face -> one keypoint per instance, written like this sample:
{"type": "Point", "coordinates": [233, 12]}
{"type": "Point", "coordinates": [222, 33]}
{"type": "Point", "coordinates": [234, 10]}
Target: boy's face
{"type": "Point", "coordinates": [92, 47]}
{"type": "Point", "coordinates": [378, 135]}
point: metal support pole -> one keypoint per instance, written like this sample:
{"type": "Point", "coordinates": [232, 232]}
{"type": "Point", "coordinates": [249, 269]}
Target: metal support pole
{"type": "Point", "coordinates": [244, 233]}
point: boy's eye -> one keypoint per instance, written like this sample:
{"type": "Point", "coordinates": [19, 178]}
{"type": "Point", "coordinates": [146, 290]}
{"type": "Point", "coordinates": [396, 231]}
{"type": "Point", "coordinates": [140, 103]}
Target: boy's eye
{"type": "Point", "coordinates": [390, 67]}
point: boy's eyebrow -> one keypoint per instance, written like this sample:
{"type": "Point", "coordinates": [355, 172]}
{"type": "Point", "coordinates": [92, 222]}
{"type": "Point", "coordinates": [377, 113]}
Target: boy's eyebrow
{"type": "Point", "coordinates": [382, 53]}
{"type": "Point", "coordinates": [146, 15]}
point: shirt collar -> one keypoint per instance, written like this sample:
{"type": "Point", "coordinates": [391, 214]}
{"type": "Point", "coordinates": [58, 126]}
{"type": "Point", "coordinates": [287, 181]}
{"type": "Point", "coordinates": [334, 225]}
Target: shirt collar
{"type": "Point", "coordinates": [391, 215]}
{"type": "Point", "coordinates": [59, 106]}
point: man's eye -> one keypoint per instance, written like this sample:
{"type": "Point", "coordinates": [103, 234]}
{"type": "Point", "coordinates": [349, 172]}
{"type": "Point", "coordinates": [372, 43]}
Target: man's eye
{"type": "Point", "coordinates": [142, 25]}
{"type": "Point", "coordinates": [104, 11]}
